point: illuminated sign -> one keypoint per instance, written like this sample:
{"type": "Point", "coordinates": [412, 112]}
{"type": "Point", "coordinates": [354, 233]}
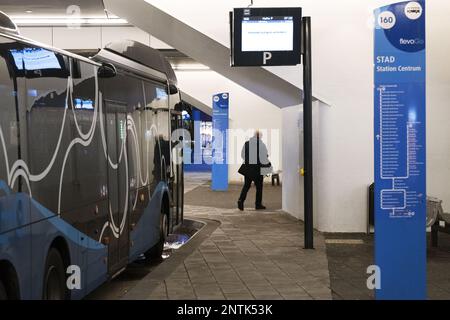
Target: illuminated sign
{"type": "Point", "coordinates": [266, 37]}
{"type": "Point", "coordinates": [268, 34]}
{"type": "Point", "coordinates": [81, 104]}
{"type": "Point", "coordinates": [35, 59]}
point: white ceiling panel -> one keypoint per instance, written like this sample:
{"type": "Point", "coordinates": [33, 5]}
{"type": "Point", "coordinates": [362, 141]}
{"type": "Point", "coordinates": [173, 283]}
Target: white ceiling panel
{"type": "Point", "coordinates": [53, 8]}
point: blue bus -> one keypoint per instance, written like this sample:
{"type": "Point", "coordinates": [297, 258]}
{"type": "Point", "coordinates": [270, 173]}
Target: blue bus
{"type": "Point", "coordinates": [90, 177]}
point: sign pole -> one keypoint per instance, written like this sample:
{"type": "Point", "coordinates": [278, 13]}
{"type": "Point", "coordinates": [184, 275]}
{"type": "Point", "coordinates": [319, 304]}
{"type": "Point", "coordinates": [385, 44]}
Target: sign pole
{"type": "Point", "coordinates": [308, 133]}
{"type": "Point", "coordinates": [245, 32]}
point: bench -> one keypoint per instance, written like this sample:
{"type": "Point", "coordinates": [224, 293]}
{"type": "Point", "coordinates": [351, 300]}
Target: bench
{"type": "Point", "coordinates": [276, 177]}
{"type": "Point", "coordinates": [437, 219]}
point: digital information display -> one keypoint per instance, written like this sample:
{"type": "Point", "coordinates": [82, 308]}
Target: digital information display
{"type": "Point", "coordinates": [35, 59]}
{"type": "Point", "coordinates": [266, 36]}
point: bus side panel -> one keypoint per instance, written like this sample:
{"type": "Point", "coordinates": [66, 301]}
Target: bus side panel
{"type": "Point", "coordinates": [97, 269]}
{"type": "Point", "coordinates": [85, 253]}
{"type": "Point", "coordinates": [16, 250]}
{"type": "Point", "coordinates": [146, 233]}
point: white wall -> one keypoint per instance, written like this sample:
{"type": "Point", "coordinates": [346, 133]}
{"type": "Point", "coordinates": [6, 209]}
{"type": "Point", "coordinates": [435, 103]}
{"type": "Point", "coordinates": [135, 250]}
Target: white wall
{"type": "Point", "coordinates": [292, 122]}
{"type": "Point", "coordinates": [89, 37]}
{"type": "Point", "coordinates": [247, 112]}
{"type": "Point", "coordinates": [292, 155]}
{"type": "Point", "coordinates": [343, 78]}
{"type": "Point", "coordinates": [438, 101]}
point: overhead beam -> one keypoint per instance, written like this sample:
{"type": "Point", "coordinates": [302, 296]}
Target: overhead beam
{"type": "Point", "coordinates": [196, 103]}
{"type": "Point", "coordinates": [205, 50]}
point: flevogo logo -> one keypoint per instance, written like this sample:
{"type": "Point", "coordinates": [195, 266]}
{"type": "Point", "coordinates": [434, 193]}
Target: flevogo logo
{"type": "Point", "coordinates": [413, 10]}
{"type": "Point", "coordinates": [412, 42]}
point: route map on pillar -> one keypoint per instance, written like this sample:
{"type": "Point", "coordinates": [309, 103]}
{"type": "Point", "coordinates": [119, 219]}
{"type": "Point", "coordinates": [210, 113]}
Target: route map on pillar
{"type": "Point", "coordinates": [400, 150]}
{"type": "Point", "coordinates": [399, 145]}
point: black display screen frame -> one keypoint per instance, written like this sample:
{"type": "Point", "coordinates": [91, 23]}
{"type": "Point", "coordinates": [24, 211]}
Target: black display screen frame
{"type": "Point", "coordinates": [241, 58]}
{"type": "Point", "coordinates": [62, 72]}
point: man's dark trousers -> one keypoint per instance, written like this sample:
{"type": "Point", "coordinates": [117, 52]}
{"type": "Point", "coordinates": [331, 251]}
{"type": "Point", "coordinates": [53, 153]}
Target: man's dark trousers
{"type": "Point", "coordinates": [259, 189]}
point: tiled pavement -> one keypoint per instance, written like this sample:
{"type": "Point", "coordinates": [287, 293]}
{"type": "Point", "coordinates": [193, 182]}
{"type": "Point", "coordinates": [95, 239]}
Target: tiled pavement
{"type": "Point", "coordinates": [251, 255]}
{"type": "Point", "coordinates": [259, 255]}
{"type": "Point", "coordinates": [193, 180]}
{"type": "Point", "coordinates": [348, 264]}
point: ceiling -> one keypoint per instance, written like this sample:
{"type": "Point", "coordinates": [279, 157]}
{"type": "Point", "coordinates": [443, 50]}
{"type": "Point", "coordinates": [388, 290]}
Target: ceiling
{"type": "Point", "coordinates": [53, 8]}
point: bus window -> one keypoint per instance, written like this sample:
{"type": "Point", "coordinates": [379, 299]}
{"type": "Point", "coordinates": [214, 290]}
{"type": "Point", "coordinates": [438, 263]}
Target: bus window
{"type": "Point", "coordinates": [48, 127]}
{"type": "Point", "coordinates": [86, 171]}
{"type": "Point", "coordinates": [157, 101]}
{"type": "Point", "coordinates": [84, 87]}
{"type": "Point", "coordinates": [138, 173]}
{"type": "Point", "coordinates": [148, 134]}
{"type": "Point", "coordinates": [9, 140]}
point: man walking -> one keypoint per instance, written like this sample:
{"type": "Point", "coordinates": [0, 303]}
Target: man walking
{"type": "Point", "coordinates": [256, 163]}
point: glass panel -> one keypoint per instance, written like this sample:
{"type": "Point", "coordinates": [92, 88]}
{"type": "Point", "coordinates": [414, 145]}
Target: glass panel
{"type": "Point", "coordinates": [9, 140]}
{"type": "Point", "coordinates": [88, 160]}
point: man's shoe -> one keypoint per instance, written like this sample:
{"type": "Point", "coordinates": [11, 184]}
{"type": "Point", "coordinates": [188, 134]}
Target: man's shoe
{"type": "Point", "coordinates": [260, 207]}
{"type": "Point", "coordinates": [241, 205]}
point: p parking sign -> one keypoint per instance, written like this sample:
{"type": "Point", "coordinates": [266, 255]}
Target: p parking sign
{"type": "Point", "coordinates": [266, 36]}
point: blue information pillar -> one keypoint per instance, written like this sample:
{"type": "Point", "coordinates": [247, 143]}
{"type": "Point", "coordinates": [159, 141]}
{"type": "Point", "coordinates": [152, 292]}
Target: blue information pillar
{"type": "Point", "coordinates": [400, 151]}
{"type": "Point", "coordinates": [221, 103]}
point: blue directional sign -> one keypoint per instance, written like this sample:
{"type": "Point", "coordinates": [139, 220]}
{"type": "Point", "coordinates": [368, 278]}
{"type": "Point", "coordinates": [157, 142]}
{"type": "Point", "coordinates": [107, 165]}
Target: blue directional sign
{"type": "Point", "coordinates": [400, 150]}
{"type": "Point", "coordinates": [221, 103]}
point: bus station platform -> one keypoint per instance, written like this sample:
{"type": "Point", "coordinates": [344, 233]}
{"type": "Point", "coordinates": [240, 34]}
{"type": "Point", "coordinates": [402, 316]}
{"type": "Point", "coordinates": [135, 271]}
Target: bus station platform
{"type": "Point", "coordinates": [252, 255]}
{"type": "Point", "coordinates": [239, 255]}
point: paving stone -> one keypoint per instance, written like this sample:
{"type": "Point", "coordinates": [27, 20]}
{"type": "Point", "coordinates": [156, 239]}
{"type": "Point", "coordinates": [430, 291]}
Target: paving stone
{"type": "Point", "coordinates": [252, 255]}
{"type": "Point", "coordinates": [296, 296]}
{"type": "Point", "coordinates": [203, 280]}
{"type": "Point", "coordinates": [319, 294]}
{"type": "Point", "coordinates": [261, 289]}
{"type": "Point", "coordinates": [187, 296]}
{"type": "Point", "coordinates": [234, 288]}
{"type": "Point", "coordinates": [239, 296]}
{"type": "Point", "coordinates": [267, 296]}
{"type": "Point", "coordinates": [290, 289]}
{"type": "Point", "coordinates": [205, 291]}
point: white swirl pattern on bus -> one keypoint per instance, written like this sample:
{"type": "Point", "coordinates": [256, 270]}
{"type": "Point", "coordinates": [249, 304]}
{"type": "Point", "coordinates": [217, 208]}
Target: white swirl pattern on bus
{"type": "Point", "coordinates": [21, 169]}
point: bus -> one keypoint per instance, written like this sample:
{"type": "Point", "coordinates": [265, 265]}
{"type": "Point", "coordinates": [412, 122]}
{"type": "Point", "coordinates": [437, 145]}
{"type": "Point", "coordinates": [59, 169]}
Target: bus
{"type": "Point", "coordinates": [90, 177]}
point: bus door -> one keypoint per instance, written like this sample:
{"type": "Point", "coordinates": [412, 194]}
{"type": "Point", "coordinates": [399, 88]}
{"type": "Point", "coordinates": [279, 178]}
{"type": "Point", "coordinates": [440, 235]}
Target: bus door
{"type": "Point", "coordinates": [116, 135]}
{"type": "Point", "coordinates": [177, 166]}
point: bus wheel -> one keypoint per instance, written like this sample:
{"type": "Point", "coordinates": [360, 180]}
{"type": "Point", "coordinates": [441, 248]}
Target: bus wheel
{"type": "Point", "coordinates": [157, 251]}
{"type": "Point", "coordinates": [3, 293]}
{"type": "Point", "coordinates": [54, 277]}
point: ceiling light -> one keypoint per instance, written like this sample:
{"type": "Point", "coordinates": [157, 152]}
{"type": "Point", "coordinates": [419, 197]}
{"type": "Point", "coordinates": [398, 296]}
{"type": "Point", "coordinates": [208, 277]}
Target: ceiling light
{"type": "Point", "coordinates": [64, 21]}
{"type": "Point", "coordinates": [29, 11]}
{"type": "Point", "coordinates": [190, 67]}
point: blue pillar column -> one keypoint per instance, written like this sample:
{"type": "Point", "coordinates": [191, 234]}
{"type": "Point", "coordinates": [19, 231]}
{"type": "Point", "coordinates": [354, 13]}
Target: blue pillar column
{"type": "Point", "coordinates": [220, 142]}
{"type": "Point", "coordinates": [400, 151]}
